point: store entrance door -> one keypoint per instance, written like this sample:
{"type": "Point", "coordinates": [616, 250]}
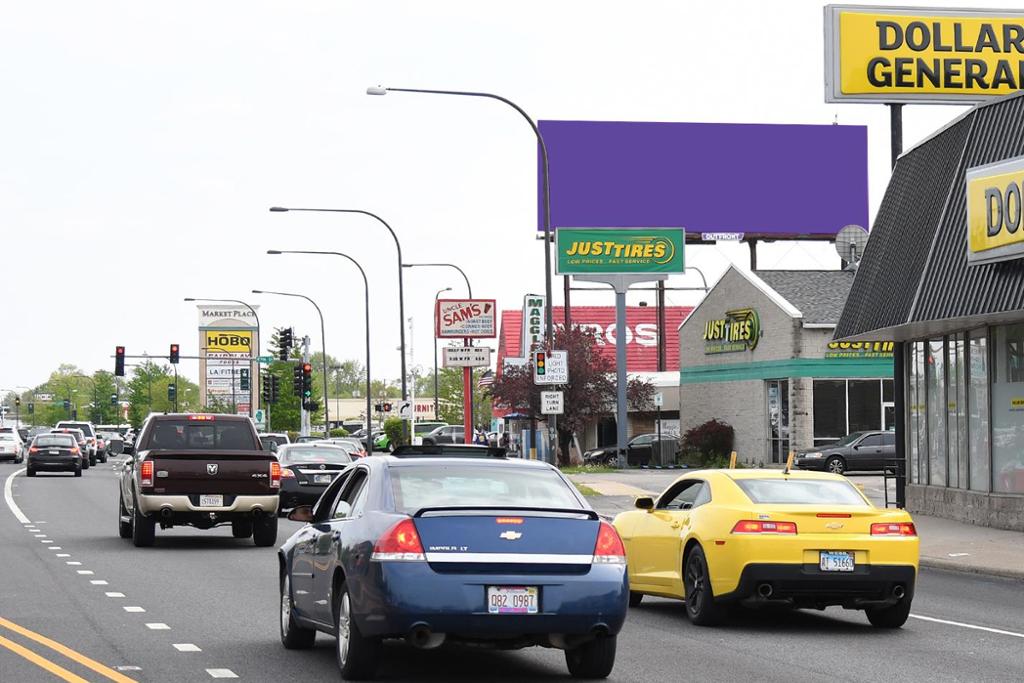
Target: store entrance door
{"type": "Point", "coordinates": [888, 416]}
{"type": "Point", "coordinates": [778, 419]}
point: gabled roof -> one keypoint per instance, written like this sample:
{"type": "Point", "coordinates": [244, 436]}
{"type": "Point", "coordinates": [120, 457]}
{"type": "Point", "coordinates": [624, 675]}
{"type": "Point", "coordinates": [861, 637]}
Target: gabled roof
{"type": "Point", "coordinates": [819, 294]}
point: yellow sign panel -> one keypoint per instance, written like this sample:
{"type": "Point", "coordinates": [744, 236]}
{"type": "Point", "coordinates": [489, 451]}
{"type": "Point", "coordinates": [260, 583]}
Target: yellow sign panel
{"type": "Point", "coordinates": [913, 55]}
{"type": "Point", "coordinates": [994, 222]}
{"type": "Point", "coordinates": [228, 341]}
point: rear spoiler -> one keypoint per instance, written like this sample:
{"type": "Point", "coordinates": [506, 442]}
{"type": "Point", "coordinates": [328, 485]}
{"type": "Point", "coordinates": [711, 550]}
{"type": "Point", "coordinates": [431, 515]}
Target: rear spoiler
{"type": "Point", "coordinates": [512, 510]}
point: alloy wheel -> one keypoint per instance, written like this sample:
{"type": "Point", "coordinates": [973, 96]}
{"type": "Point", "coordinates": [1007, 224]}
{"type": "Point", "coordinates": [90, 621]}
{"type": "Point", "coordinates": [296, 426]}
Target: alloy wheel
{"type": "Point", "coordinates": [286, 604]}
{"type": "Point", "coordinates": [695, 585]}
{"type": "Point", "coordinates": [344, 627]}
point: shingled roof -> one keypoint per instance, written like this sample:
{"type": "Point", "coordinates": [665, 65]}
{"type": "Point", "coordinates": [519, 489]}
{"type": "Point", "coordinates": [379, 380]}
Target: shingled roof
{"type": "Point", "coordinates": [819, 294]}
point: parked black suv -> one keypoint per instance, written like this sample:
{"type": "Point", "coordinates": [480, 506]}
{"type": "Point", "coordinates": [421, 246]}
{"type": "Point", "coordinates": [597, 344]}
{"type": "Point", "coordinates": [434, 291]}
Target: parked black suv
{"type": "Point", "coordinates": [858, 451]}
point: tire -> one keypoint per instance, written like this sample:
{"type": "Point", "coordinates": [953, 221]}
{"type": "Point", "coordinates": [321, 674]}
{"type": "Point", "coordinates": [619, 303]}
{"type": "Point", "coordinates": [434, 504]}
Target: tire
{"type": "Point", "coordinates": [835, 465]}
{"type": "Point", "coordinates": [635, 598]}
{"type": "Point", "coordinates": [264, 531]}
{"type": "Point", "coordinates": [30, 472]}
{"type": "Point", "coordinates": [124, 529]}
{"type": "Point", "coordinates": [889, 617]}
{"type": "Point", "coordinates": [293, 636]}
{"type": "Point", "coordinates": [85, 463]}
{"type": "Point", "coordinates": [143, 529]}
{"type": "Point", "coordinates": [356, 654]}
{"type": "Point", "coordinates": [241, 528]}
{"type": "Point", "coordinates": [700, 600]}
{"type": "Point", "coordinates": [78, 471]}
{"type": "Point", "coordinates": [104, 458]}
{"type": "Point", "coordinates": [593, 659]}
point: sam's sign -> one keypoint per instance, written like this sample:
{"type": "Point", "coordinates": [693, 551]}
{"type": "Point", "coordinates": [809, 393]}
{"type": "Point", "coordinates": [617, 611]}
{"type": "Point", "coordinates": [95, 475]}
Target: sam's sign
{"type": "Point", "coordinates": [739, 330]}
{"type": "Point", "coordinates": [895, 54]}
{"type": "Point", "coordinates": [994, 222]}
{"type": "Point", "coordinates": [624, 251]}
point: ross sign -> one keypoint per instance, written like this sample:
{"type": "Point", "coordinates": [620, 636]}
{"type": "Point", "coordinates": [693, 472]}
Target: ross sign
{"type": "Point", "coordinates": [868, 349]}
{"type": "Point", "coordinates": [721, 236]}
{"type": "Point", "coordinates": [994, 211]}
{"type": "Point", "coordinates": [466, 318]}
{"type": "Point", "coordinates": [739, 330]}
{"type": "Point", "coordinates": [627, 251]}
{"type": "Point", "coordinates": [466, 356]}
{"type": "Point", "coordinates": [551, 367]}
{"type": "Point", "coordinates": [551, 403]}
{"type": "Point", "coordinates": [894, 54]}
{"type": "Point", "coordinates": [533, 323]}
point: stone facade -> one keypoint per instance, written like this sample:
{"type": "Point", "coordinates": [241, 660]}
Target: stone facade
{"type": "Point", "coordinates": [1001, 511]}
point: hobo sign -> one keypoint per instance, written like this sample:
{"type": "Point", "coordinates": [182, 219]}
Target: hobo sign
{"type": "Point", "coordinates": [464, 318]}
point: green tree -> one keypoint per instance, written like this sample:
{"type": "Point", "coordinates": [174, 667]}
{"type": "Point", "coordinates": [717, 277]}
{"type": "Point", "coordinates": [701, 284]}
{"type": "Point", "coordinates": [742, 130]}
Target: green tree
{"type": "Point", "coordinates": [147, 392]}
{"type": "Point", "coordinates": [450, 394]}
{"type": "Point", "coordinates": [285, 413]}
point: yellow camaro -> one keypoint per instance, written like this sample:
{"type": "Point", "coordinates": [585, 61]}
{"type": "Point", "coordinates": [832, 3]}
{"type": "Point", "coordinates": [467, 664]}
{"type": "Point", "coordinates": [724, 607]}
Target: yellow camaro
{"type": "Point", "coordinates": [766, 537]}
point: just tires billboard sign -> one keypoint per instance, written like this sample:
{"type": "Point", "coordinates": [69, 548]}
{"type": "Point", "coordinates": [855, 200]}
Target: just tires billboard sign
{"type": "Point", "coordinates": [466, 318]}
{"type": "Point", "coordinates": [584, 251]}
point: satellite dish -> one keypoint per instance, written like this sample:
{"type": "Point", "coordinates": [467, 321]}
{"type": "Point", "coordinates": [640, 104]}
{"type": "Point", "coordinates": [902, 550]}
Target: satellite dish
{"type": "Point", "coordinates": [850, 243]}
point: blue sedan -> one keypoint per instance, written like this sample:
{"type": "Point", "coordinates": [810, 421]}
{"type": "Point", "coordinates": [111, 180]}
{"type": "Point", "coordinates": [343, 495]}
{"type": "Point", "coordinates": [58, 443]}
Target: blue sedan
{"type": "Point", "coordinates": [453, 544]}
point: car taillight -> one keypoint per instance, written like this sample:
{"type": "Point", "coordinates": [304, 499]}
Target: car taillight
{"type": "Point", "coordinates": [609, 548]}
{"type": "Point", "coordinates": [33, 449]}
{"type": "Point", "coordinates": [401, 543]}
{"type": "Point", "coordinates": [75, 451]}
{"type": "Point", "coordinates": [202, 418]}
{"type": "Point", "coordinates": [275, 475]}
{"type": "Point", "coordinates": [757, 526]}
{"type": "Point", "coordinates": [287, 473]}
{"type": "Point", "coordinates": [146, 473]}
{"type": "Point", "coordinates": [893, 529]}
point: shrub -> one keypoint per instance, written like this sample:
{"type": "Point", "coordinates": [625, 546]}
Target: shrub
{"type": "Point", "coordinates": [713, 440]}
{"type": "Point", "coordinates": [339, 431]}
{"type": "Point", "coordinates": [293, 436]}
{"type": "Point", "coordinates": [393, 428]}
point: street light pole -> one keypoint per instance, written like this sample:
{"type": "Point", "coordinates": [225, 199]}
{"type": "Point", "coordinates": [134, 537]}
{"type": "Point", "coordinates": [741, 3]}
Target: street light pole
{"type": "Point", "coordinates": [401, 290]}
{"type": "Point", "coordinates": [437, 412]}
{"type": "Point", "coordinates": [323, 342]}
{"type": "Point", "coordinates": [254, 379]}
{"type": "Point", "coordinates": [366, 298]}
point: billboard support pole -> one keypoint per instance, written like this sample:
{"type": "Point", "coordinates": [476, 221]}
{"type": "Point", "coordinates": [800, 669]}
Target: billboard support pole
{"type": "Point", "coordinates": [896, 130]}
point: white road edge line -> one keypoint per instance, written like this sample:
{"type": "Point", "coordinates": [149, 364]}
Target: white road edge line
{"type": "Point", "coordinates": [221, 673]}
{"type": "Point", "coordinates": [187, 647]}
{"type": "Point", "coordinates": [9, 499]}
{"type": "Point", "coordinates": [157, 626]}
{"type": "Point", "coordinates": [974, 627]}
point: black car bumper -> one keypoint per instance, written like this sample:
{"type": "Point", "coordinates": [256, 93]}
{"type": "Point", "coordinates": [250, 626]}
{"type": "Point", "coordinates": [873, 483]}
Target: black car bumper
{"type": "Point", "coordinates": [294, 494]}
{"type": "Point", "coordinates": [817, 464]}
{"type": "Point", "coordinates": [805, 585]}
{"type": "Point", "coordinates": [55, 463]}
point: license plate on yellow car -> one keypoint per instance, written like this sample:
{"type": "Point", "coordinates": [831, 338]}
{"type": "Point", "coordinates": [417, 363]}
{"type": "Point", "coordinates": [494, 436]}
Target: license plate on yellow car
{"type": "Point", "coordinates": [835, 561]}
{"type": "Point", "coordinates": [512, 599]}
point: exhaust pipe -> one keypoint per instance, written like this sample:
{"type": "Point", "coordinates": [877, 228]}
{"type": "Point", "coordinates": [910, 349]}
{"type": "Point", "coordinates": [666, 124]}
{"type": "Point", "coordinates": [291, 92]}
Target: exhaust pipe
{"type": "Point", "coordinates": [765, 590]}
{"type": "Point", "coordinates": [423, 638]}
{"type": "Point", "coordinates": [257, 512]}
{"type": "Point", "coordinates": [165, 513]}
{"type": "Point", "coordinates": [898, 591]}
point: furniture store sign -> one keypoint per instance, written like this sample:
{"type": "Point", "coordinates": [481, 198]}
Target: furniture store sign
{"type": "Point", "coordinates": [994, 230]}
{"type": "Point", "coordinates": [739, 330]}
{"type": "Point", "coordinates": [920, 55]}
{"type": "Point", "coordinates": [619, 251]}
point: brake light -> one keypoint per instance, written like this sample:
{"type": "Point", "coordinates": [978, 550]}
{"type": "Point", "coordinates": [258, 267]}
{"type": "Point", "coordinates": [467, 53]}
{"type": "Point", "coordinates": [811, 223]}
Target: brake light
{"type": "Point", "coordinates": [275, 475]}
{"type": "Point", "coordinates": [834, 515]}
{"type": "Point", "coordinates": [893, 529]}
{"type": "Point", "coordinates": [508, 520]}
{"type": "Point", "coordinates": [401, 543]}
{"type": "Point", "coordinates": [33, 449]}
{"type": "Point", "coordinates": [74, 451]}
{"type": "Point", "coordinates": [287, 473]}
{"type": "Point", "coordinates": [146, 473]}
{"type": "Point", "coordinates": [201, 418]}
{"type": "Point", "coordinates": [757, 526]}
{"type": "Point", "coordinates": [609, 548]}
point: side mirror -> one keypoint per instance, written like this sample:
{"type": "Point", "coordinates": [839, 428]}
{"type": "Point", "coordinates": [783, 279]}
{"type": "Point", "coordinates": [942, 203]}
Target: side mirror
{"type": "Point", "coordinates": [644, 503]}
{"type": "Point", "coordinates": [303, 513]}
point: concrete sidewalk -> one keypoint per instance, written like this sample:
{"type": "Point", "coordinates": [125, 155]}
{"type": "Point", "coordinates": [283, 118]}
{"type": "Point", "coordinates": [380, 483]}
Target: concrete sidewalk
{"type": "Point", "coordinates": [945, 544]}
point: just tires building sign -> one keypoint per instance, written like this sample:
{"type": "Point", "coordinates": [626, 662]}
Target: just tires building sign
{"type": "Point", "coordinates": [739, 330]}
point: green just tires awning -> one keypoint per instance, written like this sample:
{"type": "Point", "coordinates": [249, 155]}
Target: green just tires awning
{"type": "Point", "coordinates": [788, 367]}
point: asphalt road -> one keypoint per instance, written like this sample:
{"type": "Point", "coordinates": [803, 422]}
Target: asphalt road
{"type": "Point", "coordinates": [210, 609]}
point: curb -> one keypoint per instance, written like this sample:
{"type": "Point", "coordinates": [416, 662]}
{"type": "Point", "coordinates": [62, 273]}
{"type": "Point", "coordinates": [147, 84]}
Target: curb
{"type": "Point", "coordinates": [959, 568]}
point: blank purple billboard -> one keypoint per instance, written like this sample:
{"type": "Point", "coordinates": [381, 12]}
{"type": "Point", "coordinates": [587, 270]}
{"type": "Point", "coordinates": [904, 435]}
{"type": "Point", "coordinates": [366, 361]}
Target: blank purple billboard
{"type": "Point", "coordinates": [763, 180]}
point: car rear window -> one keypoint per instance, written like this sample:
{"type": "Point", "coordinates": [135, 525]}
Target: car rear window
{"type": "Point", "coordinates": [800, 492]}
{"type": "Point", "coordinates": [61, 440]}
{"type": "Point", "coordinates": [86, 428]}
{"type": "Point", "coordinates": [189, 435]}
{"type": "Point", "coordinates": [6, 437]}
{"type": "Point", "coordinates": [456, 485]}
{"type": "Point", "coordinates": [300, 456]}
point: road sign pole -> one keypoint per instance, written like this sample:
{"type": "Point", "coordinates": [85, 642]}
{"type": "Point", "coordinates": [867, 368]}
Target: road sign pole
{"type": "Point", "coordinates": [620, 373]}
{"type": "Point", "coordinates": [467, 411]}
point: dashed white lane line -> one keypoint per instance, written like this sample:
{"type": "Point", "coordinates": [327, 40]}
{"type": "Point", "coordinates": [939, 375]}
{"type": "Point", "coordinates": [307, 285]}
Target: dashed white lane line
{"type": "Point", "coordinates": [74, 563]}
{"type": "Point", "coordinates": [56, 547]}
{"type": "Point", "coordinates": [9, 498]}
{"type": "Point", "coordinates": [45, 540]}
{"type": "Point", "coordinates": [114, 594]}
{"type": "Point", "coordinates": [974, 627]}
{"type": "Point", "coordinates": [157, 626]}
{"type": "Point", "coordinates": [63, 554]}
{"type": "Point", "coordinates": [187, 647]}
{"type": "Point", "coordinates": [86, 572]}
{"type": "Point", "coordinates": [98, 582]}
{"type": "Point", "coordinates": [133, 608]}
{"type": "Point", "coordinates": [221, 673]}
{"type": "Point", "coordinates": [39, 535]}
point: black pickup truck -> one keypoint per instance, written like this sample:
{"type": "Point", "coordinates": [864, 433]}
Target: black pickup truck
{"type": "Point", "coordinates": [199, 470]}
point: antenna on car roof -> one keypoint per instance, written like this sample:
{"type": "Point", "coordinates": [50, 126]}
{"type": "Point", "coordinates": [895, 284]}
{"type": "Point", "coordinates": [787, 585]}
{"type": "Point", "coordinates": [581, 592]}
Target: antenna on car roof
{"type": "Point", "coordinates": [789, 462]}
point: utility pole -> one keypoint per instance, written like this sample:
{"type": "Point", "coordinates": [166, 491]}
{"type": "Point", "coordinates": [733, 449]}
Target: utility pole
{"type": "Point", "coordinates": [412, 387]}
{"type": "Point", "coordinates": [304, 422]}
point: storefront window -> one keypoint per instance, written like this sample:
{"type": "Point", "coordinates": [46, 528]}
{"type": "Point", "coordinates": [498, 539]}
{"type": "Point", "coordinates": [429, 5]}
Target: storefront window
{"type": "Point", "coordinates": [865, 397]}
{"type": "Point", "coordinates": [778, 419]}
{"type": "Point", "coordinates": [829, 410]}
{"type": "Point", "coordinates": [977, 403]}
{"type": "Point", "coordinates": [955, 418]}
{"type": "Point", "coordinates": [1007, 410]}
{"type": "Point", "coordinates": [913, 414]}
{"type": "Point", "coordinates": [935, 379]}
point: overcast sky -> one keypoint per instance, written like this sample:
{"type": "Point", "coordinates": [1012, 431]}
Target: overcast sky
{"type": "Point", "coordinates": [142, 142]}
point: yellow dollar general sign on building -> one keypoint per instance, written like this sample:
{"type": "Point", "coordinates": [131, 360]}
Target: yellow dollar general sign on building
{"type": "Point", "coordinates": [899, 54]}
{"type": "Point", "coordinates": [994, 222]}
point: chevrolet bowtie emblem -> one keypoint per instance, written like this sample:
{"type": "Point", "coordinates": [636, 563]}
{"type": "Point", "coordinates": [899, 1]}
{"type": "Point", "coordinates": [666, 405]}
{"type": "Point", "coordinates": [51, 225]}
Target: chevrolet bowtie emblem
{"type": "Point", "coordinates": [510, 535]}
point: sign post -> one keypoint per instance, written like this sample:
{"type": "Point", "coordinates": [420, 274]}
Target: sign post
{"type": "Point", "coordinates": [552, 403]}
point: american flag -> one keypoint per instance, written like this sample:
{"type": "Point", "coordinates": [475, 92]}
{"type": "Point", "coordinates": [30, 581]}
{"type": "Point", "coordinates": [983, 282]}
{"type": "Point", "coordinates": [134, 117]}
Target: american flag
{"type": "Point", "coordinates": [486, 379]}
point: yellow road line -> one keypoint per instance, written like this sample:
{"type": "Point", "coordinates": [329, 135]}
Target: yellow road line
{"type": "Point", "coordinates": [67, 652]}
{"type": "Point", "coordinates": [41, 662]}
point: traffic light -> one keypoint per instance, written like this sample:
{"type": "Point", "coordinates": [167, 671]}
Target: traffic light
{"type": "Point", "coordinates": [540, 359]}
{"type": "Point", "coordinates": [113, 399]}
{"type": "Point", "coordinates": [31, 408]}
{"type": "Point", "coordinates": [119, 361]}
{"type": "Point", "coordinates": [386, 407]}
{"type": "Point", "coordinates": [307, 381]}
{"type": "Point", "coordinates": [297, 379]}
{"type": "Point", "coordinates": [17, 401]}
{"type": "Point", "coordinates": [174, 354]}
{"type": "Point", "coordinates": [265, 389]}
{"type": "Point", "coordinates": [67, 404]}
{"type": "Point", "coordinates": [243, 379]}
{"type": "Point", "coordinates": [172, 392]}
{"type": "Point", "coordinates": [378, 407]}
{"type": "Point", "coordinates": [275, 388]}
{"type": "Point", "coordinates": [311, 406]}
{"type": "Point", "coordinates": [285, 341]}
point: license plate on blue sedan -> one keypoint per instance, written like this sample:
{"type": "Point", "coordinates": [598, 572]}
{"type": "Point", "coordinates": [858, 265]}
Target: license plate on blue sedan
{"type": "Point", "coordinates": [512, 599]}
{"type": "Point", "coordinates": [836, 561]}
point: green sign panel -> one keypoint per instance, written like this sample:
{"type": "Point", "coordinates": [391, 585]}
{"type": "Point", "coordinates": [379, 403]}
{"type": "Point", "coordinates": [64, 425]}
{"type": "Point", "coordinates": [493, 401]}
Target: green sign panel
{"type": "Point", "coordinates": [619, 251]}
{"type": "Point", "coordinates": [266, 360]}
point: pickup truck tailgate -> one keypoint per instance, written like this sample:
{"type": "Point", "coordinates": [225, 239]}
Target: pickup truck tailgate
{"type": "Point", "coordinates": [229, 472]}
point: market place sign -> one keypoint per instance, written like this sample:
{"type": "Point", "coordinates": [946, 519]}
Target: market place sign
{"type": "Point", "coordinates": [619, 251]}
{"type": "Point", "coordinates": [994, 230]}
{"type": "Point", "coordinates": [922, 55]}
{"type": "Point", "coordinates": [739, 330]}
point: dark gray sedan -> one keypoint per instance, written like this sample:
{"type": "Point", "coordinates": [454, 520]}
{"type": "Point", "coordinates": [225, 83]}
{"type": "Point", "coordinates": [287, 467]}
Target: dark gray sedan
{"type": "Point", "coordinates": [859, 451]}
